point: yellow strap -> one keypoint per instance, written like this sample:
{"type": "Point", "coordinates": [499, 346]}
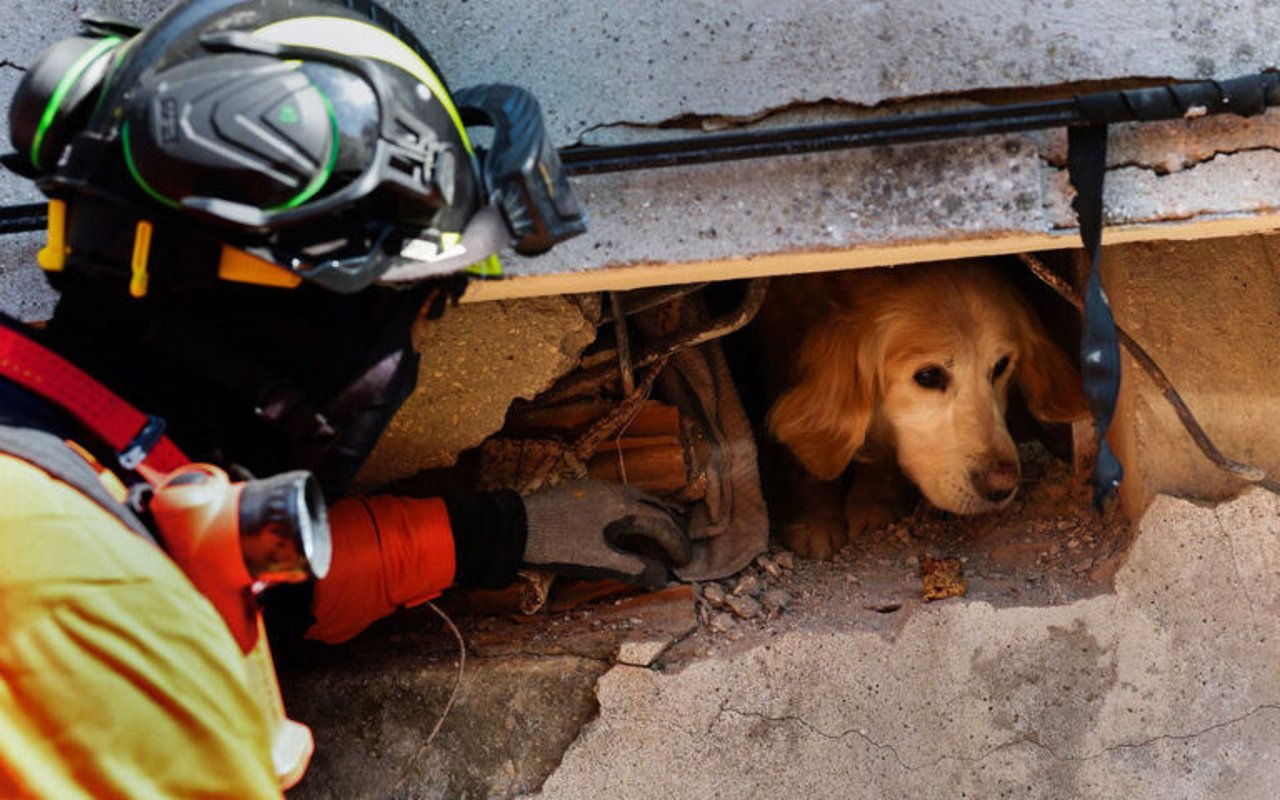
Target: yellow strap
{"type": "Point", "coordinates": [240, 267]}
{"type": "Point", "coordinates": [138, 264]}
{"type": "Point", "coordinates": [53, 256]}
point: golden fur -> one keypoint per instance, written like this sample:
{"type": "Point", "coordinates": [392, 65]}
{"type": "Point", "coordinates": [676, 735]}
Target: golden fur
{"type": "Point", "coordinates": [851, 358]}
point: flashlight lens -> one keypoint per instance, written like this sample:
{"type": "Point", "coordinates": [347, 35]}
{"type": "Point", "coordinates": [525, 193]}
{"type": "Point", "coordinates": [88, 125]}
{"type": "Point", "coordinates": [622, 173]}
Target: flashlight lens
{"type": "Point", "coordinates": [284, 528]}
{"type": "Point", "coordinates": [317, 545]}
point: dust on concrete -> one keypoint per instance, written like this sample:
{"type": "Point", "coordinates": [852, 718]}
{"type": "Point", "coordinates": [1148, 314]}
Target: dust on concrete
{"type": "Point", "coordinates": [1049, 547]}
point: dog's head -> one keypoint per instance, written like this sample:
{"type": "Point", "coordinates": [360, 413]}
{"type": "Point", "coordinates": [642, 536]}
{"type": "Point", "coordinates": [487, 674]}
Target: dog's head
{"type": "Point", "coordinates": [919, 361]}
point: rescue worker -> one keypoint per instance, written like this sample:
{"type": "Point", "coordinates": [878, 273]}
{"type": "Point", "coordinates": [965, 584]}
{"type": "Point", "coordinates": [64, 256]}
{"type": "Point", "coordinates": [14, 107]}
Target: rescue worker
{"type": "Point", "coordinates": [251, 204]}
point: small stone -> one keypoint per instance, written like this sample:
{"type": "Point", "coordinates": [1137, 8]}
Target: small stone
{"type": "Point", "coordinates": [744, 606]}
{"type": "Point", "coordinates": [775, 601]}
{"type": "Point", "coordinates": [1066, 524]}
{"type": "Point", "coordinates": [770, 566]}
{"type": "Point", "coordinates": [713, 593]}
{"type": "Point", "coordinates": [748, 584]}
{"type": "Point", "coordinates": [1072, 544]}
{"type": "Point", "coordinates": [722, 622]}
{"type": "Point", "coordinates": [641, 654]}
{"type": "Point", "coordinates": [785, 559]}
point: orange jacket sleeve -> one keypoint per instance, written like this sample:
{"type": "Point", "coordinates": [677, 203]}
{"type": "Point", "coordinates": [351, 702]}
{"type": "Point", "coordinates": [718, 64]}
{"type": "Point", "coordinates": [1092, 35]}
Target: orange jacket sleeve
{"type": "Point", "coordinates": [388, 552]}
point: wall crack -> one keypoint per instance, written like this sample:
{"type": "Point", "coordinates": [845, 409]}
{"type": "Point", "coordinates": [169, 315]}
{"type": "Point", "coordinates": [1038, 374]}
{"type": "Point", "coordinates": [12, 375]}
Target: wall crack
{"type": "Point", "coordinates": [1030, 738]}
{"type": "Point", "coordinates": [1161, 169]}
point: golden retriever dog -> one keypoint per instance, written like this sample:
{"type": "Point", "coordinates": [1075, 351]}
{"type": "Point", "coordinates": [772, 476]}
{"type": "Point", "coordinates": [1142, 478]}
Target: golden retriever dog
{"type": "Point", "coordinates": [905, 371]}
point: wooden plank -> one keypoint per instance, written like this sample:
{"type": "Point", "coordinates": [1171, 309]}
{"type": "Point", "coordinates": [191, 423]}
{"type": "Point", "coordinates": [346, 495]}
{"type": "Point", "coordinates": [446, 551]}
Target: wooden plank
{"type": "Point", "coordinates": [622, 278]}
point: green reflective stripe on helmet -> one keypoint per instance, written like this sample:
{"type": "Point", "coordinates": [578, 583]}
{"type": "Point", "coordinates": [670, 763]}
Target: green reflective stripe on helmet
{"type": "Point", "coordinates": [314, 185]}
{"type": "Point", "coordinates": [64, 85]}
{"type": "Point", "coordinates": [355, 38]}
{"type": "Point", "coordinates": [321, 177]}
{"type": "Point", "coordinates": [137, 176]}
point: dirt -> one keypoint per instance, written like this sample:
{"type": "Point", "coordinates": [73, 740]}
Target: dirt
{"type": "Point", "coordinates": [1048, 547]}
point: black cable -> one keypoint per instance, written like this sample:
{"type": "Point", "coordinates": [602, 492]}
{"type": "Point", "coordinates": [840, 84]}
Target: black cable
{"type": "Point", "coordinates": [713, 147]}
{"type": "Point", "coordinates": [1244, 96]}
{"type": "Point", "coordinates": [23, 218]}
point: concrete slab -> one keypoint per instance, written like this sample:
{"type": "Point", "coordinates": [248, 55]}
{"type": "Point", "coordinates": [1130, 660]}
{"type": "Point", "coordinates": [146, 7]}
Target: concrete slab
{"type": "Point", "coordinates": [473, 362]}
{"type": "Point", "coordinates": [1155, 680]}
{"type": "Point", "coordinates": [606, 72]}
{"type": "Point", "coordinates": [1166, 688]}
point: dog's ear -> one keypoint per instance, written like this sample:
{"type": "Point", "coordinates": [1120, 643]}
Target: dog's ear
{"type": "Point", "coordinates": [823, 417]}
{"type": "Point", "coordinates": [1048, 380]}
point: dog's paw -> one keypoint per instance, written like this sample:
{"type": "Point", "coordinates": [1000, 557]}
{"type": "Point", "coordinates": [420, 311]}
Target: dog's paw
{"type": "Point", "coordinates": [861, 517]}
{"type": "Point", "coordinates": [818, 538]}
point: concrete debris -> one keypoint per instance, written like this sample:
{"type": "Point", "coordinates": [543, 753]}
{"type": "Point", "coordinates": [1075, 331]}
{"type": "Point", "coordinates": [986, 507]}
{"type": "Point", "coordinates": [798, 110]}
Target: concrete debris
{"type": "Point", "coordinates": [748, 584]}
{"type": "Point", "coordinates": [642, 653]}
{"type": "Point", "coordinates": [722, 622]}
{"type": "Point", "coordinates": [769, 566]}
{"type": "Point", "coordinates": [775, 601]}
{"type": "Point", "coordinates": [755, 594]}
{"type": "Point", "coordinates": [743, 606]}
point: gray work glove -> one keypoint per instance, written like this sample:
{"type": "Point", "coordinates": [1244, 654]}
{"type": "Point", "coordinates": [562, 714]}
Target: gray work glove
{"type": "Point", "coordinates": [594, 529]}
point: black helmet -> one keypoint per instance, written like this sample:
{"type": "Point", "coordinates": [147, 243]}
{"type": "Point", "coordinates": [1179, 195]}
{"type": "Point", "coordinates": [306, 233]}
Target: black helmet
{"type": "Point", "coordinates": [231, 139]}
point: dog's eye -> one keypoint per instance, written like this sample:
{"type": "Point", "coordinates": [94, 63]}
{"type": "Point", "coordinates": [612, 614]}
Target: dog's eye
{"type": "Point", "coordinates": [931, 377]}
{"type": "Point", "coordinates": [999, 368]}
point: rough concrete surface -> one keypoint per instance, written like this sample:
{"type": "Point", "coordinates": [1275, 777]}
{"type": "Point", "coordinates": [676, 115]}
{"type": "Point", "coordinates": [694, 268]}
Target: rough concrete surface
{"type": "Point", "coordinates": [474, 361]}
{"type": "Point", "coordinates": [526, 689]}
{"type": "Point", "coordinates": [1209, 313]}
{"type": "Point", "coordinates": [1167, 687]}
{"type": "Point", "coordinates": [606, 72]}
{"type": "Point", "coordinates": [1158, 679]}
{"type": "Point", "coordinates": [600, 65]}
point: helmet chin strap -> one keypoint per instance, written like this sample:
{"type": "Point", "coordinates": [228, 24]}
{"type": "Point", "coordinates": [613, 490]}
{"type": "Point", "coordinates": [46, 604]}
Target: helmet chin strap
{"type": "Point", "coordinates": [486, 234]}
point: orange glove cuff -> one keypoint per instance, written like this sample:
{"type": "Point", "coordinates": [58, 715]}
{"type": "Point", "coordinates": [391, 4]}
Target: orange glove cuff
{"type": "Point", "coordinates": [388, 552]}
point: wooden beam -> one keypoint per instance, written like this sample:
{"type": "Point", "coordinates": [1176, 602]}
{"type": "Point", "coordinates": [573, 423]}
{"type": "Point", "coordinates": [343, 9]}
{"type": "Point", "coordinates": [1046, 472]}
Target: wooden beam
{"type": "Point", "coordinates": [622, 278]}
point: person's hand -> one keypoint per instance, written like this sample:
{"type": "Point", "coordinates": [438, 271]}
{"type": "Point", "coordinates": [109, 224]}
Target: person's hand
{"type": "Point", "coordinates": [594, 529]}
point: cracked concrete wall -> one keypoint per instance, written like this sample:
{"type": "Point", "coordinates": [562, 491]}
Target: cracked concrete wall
{"type": "Point", "coordinates": [613, 71]}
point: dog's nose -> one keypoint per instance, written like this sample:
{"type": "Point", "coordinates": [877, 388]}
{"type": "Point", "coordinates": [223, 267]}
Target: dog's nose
{"type": "Point", "coordinates": [998, 482]}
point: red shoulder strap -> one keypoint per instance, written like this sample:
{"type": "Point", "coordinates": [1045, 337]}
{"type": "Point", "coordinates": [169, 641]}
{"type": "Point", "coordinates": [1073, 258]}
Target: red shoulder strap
{"type": "Point", "coordinates": [136, 437]}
